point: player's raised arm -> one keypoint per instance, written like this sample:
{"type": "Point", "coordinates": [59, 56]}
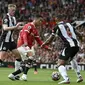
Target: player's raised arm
{"type": "Point", "coordinates": [49, 40]}
{"type": "Point", "coordinates": [21, 25]}
{"type": "Point", "coordinates": [40, 42]}
{"type": "Point", "coordinates": [52, 36]}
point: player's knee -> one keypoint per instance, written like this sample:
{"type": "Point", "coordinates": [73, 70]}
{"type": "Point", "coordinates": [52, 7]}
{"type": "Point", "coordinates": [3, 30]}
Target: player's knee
{"type": "Point", "coordinates": [30, 53]}
{"type": "Point", "coordinates": [61, 62]}
{"type": "Point", "coordinates": [3, 55]}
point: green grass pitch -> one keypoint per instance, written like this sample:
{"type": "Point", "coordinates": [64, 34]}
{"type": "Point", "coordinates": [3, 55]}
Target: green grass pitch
{"type": "Point", "coordinates": [42, 78]}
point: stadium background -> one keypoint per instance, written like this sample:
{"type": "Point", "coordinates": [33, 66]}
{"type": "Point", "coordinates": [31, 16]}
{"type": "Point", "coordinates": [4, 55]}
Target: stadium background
{"type": "Point", "coordinates": [72, 10]}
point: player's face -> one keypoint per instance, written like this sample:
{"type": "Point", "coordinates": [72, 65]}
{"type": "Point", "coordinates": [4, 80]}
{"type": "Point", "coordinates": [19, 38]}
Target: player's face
{"type": "Point", "coordinates": [12, 11]}
{"type": "Point", "coordinates": [39, 21]}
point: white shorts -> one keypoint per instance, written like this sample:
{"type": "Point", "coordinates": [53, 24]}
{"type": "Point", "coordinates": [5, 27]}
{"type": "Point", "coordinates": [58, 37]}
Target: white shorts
{"type": "Point", "coordinates": [24, 50]}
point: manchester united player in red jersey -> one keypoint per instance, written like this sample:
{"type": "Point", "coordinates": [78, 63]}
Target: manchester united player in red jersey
{"type": "Point", "coordinates": [26, 41]}
{"type": "Point", "coordinates": [29, 34]}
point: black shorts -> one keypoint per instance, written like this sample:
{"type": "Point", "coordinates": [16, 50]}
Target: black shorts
{"type": "Point", "coordinates": [5, 46]}
{"type": "Point", "coordinates": [68, 53]}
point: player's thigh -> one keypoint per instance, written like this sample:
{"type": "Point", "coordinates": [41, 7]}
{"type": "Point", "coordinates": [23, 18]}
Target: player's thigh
{"type": "Point", "coordinates": [73, 52]}
{"type": "Point", "coordinates": [3, 55]}
{"type": "Point", "coordinates": [61, 62]}
{"type": "Point", "coordinates": [31, 52]}
{"type": "Point", "coordinates": [16, 53]}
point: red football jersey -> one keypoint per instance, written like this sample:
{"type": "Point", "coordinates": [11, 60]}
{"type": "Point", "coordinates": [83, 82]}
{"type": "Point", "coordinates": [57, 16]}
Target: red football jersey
{"type": "Point", "coordinates": [28, 35]}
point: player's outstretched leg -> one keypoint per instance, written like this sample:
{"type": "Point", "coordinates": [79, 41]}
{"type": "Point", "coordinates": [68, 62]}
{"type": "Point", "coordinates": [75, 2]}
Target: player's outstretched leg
{"type": "Point", "coordinates": [35, 67]}
{"type": "Point", "coordinates": [75, 66]}
{"type": "Point", "coordinates": [26, 68]}
{"type": "Point", "coordinates": [17, 66]}
{"type": "Point", "coordinates": [63, 73]}
{"type": "Point", "coordinates": [12, 76]}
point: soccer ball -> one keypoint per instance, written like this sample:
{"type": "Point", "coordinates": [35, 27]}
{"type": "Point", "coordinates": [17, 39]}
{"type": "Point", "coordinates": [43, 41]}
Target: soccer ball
{"type": "Point", "coordinates": [55, 76]}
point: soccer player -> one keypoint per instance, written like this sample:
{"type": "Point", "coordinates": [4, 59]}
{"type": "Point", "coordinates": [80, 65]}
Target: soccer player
{"type": "Point", "coordinates": [66, 32]}
{"type": "Point", "coordinates": [76, 68]}
{"type": "Point", "coordinates": [9, 25]}
{"type": "Point", "coordinates": [7, 42]}
{"type": "Point", "coordinates": [26, 41]}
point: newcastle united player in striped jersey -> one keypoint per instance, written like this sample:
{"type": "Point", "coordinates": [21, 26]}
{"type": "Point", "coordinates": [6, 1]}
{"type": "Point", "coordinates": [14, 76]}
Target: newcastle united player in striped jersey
{"type": "Point", "coordinates": [66, 32]}
{"type": "Point", "coordinates": [9, 25]}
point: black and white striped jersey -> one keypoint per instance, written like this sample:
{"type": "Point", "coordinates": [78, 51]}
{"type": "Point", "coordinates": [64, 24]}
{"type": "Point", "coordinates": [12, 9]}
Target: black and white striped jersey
{"type": "Point", "coordinates": [7, 36]}
{"type": "Point", "coordinates": [67, 33]}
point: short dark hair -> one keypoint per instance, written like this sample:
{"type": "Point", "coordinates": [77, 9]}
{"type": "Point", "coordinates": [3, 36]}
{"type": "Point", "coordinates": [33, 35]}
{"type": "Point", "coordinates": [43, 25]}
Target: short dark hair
{"type": "Point", "coordinates": [60, 17]}
{"type": "Point", "coordinates": [38, 16]}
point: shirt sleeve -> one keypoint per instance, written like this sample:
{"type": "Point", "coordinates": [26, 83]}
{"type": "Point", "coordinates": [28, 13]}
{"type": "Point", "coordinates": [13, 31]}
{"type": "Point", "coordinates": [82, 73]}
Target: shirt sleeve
{"type": "Point", "coordinates": [40, 42]}
{"type": "Point", "coordinates": [5, 20]}
{"type": "Point", "coordinates": [25, 34]}
{"type": "Point", "coordinates": [25, 37]}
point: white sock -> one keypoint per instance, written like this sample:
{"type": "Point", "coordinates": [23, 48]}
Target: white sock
{"type": "Point", "coordinates": [63, 72]}
{"type": "Point", "coordinates": [75, 66]}
{"type": "Point", "coordinates": [17, 65]}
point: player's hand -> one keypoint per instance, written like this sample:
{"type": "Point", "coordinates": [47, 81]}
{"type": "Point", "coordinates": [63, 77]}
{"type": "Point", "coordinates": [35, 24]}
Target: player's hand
{"type": "Point", "coordinates": [19, 24]}
{"type": "Point", "coordinates": [42, 45]}
{"type": "Point", "coordinates": [49, 48]}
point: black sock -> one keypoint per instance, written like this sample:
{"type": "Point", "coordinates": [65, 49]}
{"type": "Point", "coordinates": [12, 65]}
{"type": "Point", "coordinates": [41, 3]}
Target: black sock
{"type": "Point", "coordinates": [35, 67]}
{"type": "Point", "coordinates": [17, 72]}
{"type": "Point", "coordinates": [26, 70]}
{"type": "Point", "coordinates": [1, 61]}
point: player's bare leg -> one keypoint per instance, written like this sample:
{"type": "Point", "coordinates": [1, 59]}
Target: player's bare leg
{"type": "Point", "coordinates": [3, 55]}
{"type": "Point", "coordinates": [17, 62]}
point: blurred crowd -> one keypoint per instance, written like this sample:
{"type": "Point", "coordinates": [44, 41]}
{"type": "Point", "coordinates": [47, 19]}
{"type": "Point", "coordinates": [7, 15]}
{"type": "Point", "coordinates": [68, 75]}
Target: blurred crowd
{"type": "Point", "coordinates": [49, 9]}
{"type": "Point", "coordinates": [27, 9]}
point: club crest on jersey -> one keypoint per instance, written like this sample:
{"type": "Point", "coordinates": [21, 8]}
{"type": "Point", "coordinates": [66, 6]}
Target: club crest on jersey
{"type": "Point", "coordinates": [5, 20]}
{"type": "Point", "coordinates": [4, 48]}
{"type": "Point", "coordinates": [29, 27]}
